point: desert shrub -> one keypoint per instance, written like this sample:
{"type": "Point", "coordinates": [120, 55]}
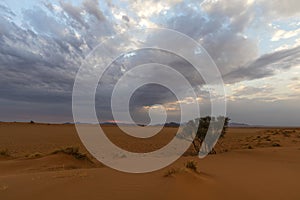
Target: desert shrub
{"type": "Point", "coordinates": [32, 122]}
{"type": "Point", "coordinates": [170, 172]}
{"type": "Point", "coordinates": [3, 187]}
{"type": "Point", "coordinates": [35, 155]}
{"type": "Point", "coordinates": [275, 133]}
{"type": "Point", "coordinates": [74, 151]}
{"type": "Point", "coordinates": [4, 152]}
{"type": "Point", "coordinates": [286, 133]}
{"type": "Point", "coordinates": [191, 165]}
{"type": "Point", "coordinates": [276, 145]}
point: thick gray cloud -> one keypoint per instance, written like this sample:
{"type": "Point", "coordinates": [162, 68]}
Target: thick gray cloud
{"type": "Point", "coordinates": [73, 11]}
{"type": "Point", "coordinates": [147, 95]}
{"type": "Point", "coordinates": [281, 8]}
{"type": "Point", "coordinates": [261, 112]}
{"type": "Point", "coordinates": [41, 60]}
{"type": "Point", "coordinates": [265, 66]}
{"type": "Point", "coordinates": [91, 6]}
{"type": "Point", "coordinates": [253, 91]}
{"type": "Point", "coordinates": [219, 27]}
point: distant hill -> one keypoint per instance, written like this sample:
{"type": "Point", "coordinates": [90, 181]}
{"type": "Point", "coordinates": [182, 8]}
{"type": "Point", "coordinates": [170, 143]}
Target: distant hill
{"type": "Point", "coordinates": [172, 124]}
{"type": "Point", "coordinates": [235, 124]}
{"type": "Point", "coordinates": [169, 124]}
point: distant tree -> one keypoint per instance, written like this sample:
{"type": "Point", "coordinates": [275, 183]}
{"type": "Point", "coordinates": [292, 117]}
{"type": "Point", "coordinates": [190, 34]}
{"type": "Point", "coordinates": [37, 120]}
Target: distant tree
{"type": "Point", "coordinates": [197, 131]}
{"type": "Point", "coordinates": [31, 122]}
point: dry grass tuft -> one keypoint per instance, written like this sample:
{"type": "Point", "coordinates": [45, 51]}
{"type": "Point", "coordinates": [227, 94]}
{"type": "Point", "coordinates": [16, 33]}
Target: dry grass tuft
{"type": "Point", "coordinates": [171, 172]}
{"type": "Point", "coordinates": [73, 151]}
{"type": "Point", "coordinates": [191, 165]}
{"type": "Point", "coordinates": [3, 187]}
{"type": "Point", "coordinates": [35, 155]}
{"type": "Point", "coordinates": [276, 145]}
{"type": "Point", "coordinates": [4, 153]}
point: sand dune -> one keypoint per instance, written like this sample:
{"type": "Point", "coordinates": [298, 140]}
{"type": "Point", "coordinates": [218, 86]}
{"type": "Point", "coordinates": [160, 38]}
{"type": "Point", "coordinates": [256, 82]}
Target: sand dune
{"type": "Point", "coordinates": [47, 163]}
{"type": "Point", "coordinates": [30, 170]}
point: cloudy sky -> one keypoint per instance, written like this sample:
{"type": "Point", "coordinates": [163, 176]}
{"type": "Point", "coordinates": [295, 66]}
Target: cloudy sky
{"type": "Point", "coordinates": [255, 45]}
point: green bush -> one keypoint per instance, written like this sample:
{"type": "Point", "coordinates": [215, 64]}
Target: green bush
{"type": "Point", "coordinates": [198, 129]}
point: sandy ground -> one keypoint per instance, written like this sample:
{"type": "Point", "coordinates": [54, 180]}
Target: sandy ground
{"type": "Point", "coordinates": [251, 163]}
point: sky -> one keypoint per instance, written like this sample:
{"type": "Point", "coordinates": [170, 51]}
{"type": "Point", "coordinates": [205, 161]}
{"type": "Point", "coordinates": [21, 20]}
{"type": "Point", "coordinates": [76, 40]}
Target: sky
{"type": "Point", "coordinates": [255, 45]}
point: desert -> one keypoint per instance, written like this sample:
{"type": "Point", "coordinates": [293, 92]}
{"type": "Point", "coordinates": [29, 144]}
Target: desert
{"type": "Point", "coordinates": [48, 161]}
{"type": "Point", "coordinates": [149, 99]}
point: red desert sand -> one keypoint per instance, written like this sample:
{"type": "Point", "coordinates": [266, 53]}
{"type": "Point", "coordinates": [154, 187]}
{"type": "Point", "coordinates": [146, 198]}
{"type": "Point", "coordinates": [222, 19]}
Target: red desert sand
{"type": "Point", "coordinates": [41, 161]}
